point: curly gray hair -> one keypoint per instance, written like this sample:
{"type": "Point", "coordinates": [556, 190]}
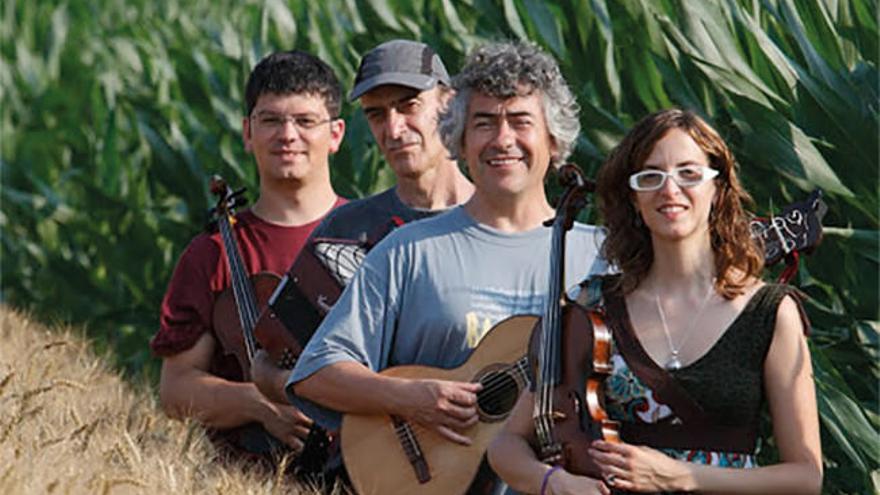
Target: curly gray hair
{"type": "Point", "coordinates": [505, 70]}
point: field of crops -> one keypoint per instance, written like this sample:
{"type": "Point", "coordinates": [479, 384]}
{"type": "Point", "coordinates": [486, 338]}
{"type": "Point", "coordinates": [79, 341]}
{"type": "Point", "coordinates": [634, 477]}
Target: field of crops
{"type": "Point", "coordinates": [72, 425]}
{"type": "Point", "coordinates": [114, 113]}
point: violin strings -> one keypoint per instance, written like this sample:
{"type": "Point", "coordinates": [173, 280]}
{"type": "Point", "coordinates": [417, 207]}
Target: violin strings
{"type": "Point", "coordinates": [549, 343]}
{"type": "Point", "coordinates": [245, 302]}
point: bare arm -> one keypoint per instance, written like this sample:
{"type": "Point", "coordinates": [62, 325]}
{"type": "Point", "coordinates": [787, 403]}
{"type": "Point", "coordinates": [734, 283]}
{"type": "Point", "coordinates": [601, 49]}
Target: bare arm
{"type": "Point", "coordinates": [351, 387]}
{"type": "Point", "coordinates": [187, 389]}
{"type": "Point", "coordinates": [513, 459]}
{"type": "Point", "coordinates": [788, 383]}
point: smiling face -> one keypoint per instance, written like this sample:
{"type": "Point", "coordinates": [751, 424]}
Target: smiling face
{"type": "Point", "coordinates": [506, 144]}
{"type": "Point", "coordinates": [675, 213]}
{"type": "Point", "coordinates": [283, 148]}
{"type": "Point", "coordinates": [404, 123]}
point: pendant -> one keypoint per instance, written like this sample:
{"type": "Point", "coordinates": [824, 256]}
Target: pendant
{"type": "Point", "coordinates": [674, 363]}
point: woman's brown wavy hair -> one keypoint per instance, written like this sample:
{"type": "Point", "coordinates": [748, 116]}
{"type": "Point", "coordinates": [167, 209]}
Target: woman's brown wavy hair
{"type": "Point", "coordinates": [738, 257]}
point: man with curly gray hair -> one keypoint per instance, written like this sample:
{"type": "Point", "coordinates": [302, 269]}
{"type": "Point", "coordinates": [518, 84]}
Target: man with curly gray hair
{"type": "Point", "coordinates": [432, 290]}
{"type": "Point", "coordinates": [505, 70]}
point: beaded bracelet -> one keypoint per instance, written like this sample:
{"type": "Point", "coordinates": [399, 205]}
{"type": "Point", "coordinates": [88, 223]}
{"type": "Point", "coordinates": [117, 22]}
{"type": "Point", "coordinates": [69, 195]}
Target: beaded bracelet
{"type": "Point", "coordinates": [547, 478]}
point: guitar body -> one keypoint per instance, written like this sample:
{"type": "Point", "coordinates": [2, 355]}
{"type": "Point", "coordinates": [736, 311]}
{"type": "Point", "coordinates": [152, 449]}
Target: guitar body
{"type": "Point", "coordinates": [374, 454]}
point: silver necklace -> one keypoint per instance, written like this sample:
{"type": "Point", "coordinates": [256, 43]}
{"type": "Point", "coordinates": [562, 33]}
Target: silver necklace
{"type": "Point", "coordinates": [674, 361]}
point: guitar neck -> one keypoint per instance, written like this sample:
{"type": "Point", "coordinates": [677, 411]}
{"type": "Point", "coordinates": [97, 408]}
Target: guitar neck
{"type": "Point", "coordinates": [242, 289]}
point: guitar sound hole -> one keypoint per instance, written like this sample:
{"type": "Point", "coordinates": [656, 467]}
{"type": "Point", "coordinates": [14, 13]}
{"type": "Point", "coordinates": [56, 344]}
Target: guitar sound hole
{"type": "Point", "coordinates": [498, 396]}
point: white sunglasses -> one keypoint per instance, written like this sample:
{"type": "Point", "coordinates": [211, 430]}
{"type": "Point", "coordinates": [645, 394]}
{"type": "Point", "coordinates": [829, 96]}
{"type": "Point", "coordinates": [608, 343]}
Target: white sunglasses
{"type": "Point", "coordinates": [685, 176]}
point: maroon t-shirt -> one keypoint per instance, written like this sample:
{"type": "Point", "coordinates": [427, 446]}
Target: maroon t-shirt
{"type": "Point", "coordinates": [201, 274]}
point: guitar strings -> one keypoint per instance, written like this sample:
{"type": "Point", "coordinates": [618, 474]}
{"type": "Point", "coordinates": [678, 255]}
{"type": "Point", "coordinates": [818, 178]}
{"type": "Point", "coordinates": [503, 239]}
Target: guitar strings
{"type": "Point", "coordinates": [497, 384]}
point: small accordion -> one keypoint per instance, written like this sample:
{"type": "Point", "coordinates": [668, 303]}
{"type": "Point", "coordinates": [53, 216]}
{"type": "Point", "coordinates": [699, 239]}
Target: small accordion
{"type": "Point", "coordinates": [313, 284]}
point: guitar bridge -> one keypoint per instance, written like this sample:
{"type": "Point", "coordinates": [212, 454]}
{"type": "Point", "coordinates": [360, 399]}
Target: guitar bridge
{"type": "Point", "coordinates": [413, 450]}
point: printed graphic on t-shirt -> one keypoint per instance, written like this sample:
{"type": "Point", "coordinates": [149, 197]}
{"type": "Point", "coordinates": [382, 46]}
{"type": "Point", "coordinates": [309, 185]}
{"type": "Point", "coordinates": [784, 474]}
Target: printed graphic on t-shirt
{"type": "Point", "coordinates": [490, 306]}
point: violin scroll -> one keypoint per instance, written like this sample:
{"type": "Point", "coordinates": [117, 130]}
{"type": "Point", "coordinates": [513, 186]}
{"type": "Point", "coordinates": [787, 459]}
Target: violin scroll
{"type": "Point", "coordinates": [227, 199]}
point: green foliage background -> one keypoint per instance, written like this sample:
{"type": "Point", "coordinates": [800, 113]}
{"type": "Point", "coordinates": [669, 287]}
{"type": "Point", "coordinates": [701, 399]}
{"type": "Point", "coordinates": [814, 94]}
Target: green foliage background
{"type": "Point", "coordinates": [115, 112]}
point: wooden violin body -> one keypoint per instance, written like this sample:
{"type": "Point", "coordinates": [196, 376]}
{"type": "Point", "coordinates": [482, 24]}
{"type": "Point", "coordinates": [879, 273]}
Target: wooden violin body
{"type": "Point", "coordinates": [577, 397]}
{"type": "Point", "coordinates": [271, 335]}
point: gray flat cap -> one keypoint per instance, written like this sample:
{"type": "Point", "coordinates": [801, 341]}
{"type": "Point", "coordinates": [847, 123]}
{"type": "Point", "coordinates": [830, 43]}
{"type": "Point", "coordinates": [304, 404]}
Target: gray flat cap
{"type": "Point", "coordinates": [402, 62]}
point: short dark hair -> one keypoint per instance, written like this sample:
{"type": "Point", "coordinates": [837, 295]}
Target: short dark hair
{"type": "Point", "coordinates": [294, 72]}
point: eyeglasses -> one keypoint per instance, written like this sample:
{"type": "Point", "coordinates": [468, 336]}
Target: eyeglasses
{"type": "Point", "coordinates": [272, 122]}
{"type": "Point", "coordinates": [684, 176]}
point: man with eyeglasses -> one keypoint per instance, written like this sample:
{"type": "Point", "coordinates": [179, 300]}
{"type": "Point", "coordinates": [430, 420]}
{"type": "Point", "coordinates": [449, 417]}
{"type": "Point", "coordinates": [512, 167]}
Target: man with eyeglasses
{"type": "Point", "coordinates": [291, 128]}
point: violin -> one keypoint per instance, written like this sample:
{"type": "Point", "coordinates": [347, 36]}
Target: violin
{"type": "Point", "coordinates": [243, 323]}
{"type": "Point", "coordinates": [570, 351]}
{"type": "Point", "coordinates": [237, 314]}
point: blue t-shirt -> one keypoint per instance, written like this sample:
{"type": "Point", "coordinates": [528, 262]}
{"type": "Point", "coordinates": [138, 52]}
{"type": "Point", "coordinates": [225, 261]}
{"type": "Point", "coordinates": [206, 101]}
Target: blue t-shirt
{"type": "Point", "coordinates": [429, 292]}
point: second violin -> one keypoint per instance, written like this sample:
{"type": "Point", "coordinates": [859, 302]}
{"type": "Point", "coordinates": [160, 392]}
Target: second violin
{"type": "Point", "coordinates": [570, 352]}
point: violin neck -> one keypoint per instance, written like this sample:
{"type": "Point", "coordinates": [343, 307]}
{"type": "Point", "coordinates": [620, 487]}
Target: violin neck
{"type": "Point", "coordinates": [549, 372]}
{"type": "Point", "coordinates": [551, 369]}
{"type": "Point", "coordinates": [242, 289]}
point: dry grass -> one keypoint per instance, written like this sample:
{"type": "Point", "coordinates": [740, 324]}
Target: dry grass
{"type": "Point", "coordinates": [69, 424]}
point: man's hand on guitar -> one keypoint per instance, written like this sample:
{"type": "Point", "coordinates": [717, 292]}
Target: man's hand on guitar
{"type": "Point", "coordinates": [287, 423]}
{"type": "Point", "coordinates": [445, 406]}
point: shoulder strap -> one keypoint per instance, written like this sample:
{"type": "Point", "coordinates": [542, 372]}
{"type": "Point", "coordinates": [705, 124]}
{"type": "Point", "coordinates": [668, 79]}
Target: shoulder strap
{"type": "Point", "coordinates": [666, 389]}
{"type": "Point", "coordinates": [600, 295]}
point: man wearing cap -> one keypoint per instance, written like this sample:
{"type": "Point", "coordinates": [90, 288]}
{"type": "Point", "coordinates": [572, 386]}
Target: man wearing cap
{"type": "Point", "coordinates": [431, 290]}
{"type": "Point", "coordinates": [402, 86]}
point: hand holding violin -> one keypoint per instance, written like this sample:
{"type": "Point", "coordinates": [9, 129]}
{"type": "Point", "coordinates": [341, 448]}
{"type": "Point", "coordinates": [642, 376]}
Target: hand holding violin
{"type": "Point", "coordinates": [268, 377]}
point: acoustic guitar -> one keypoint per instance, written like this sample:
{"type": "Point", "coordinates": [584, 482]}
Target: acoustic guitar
{"type": "Point", "coordinates": [387, 455]}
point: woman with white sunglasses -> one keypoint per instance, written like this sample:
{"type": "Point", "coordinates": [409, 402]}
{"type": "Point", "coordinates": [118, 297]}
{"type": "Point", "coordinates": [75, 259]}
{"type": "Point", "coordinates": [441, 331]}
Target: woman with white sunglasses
{"type": "Point", "coordinates": [701, 346]}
